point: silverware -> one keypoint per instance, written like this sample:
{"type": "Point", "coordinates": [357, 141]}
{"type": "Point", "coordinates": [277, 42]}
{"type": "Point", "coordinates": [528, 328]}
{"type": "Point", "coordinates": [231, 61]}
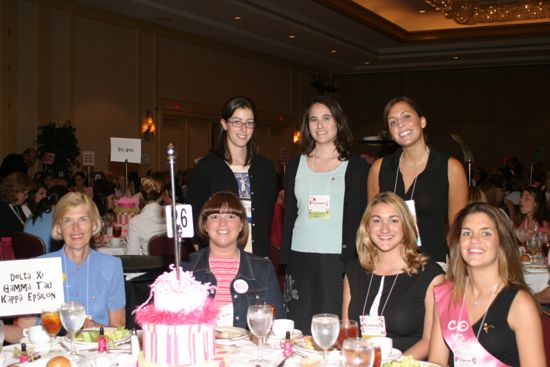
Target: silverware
{"type": "Point", "coordinates": [282, 363]}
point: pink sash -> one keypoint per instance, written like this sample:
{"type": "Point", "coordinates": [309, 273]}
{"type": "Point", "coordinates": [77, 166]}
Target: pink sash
{"type": "Point", "coordinates": [457, 331]}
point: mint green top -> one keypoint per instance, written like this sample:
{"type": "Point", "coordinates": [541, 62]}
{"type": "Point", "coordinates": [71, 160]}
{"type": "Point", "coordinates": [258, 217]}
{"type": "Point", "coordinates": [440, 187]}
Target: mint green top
{"type": "Point", "coordinates": [314, 232]}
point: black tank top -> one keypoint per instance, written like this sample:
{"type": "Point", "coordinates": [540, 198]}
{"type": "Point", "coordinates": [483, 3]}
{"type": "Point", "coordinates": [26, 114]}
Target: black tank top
{"type": "Point", "coordinates": [430, 194]}
{"type": "Point", "coordinates": [497, 337]}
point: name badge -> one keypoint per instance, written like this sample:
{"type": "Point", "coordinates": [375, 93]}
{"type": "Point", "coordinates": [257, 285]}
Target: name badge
{"type": "Point", "coordinates": [225, 315]}
{"type": "Point", "coordinates": [465, 357]}
{"type": "Point", "coordinates": [372, 326]}
{"type": "Point", "coordinates": [412, 209]}
{"type": "Point", "coordinates": [248, 208]}
{"type": "Point", "coordinates": [319, 206]}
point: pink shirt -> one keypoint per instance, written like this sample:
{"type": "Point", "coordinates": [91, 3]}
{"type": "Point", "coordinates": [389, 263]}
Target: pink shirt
{"type": "Point", "coordinates": [225, 271]}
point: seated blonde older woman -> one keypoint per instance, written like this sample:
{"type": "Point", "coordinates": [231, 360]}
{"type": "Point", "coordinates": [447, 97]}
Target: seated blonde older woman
{"type": "Point", "coordinates": [93, 279]}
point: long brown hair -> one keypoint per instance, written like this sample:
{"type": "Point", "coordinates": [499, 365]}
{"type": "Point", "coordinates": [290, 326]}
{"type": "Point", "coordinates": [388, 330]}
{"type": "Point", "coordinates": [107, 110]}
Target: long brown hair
{"type": "Point", "coordinates": [367, 250]}
{"type": "Point", "coordinates": [343, 135]}
{"type": "Point", "coordinates": [509, 266]}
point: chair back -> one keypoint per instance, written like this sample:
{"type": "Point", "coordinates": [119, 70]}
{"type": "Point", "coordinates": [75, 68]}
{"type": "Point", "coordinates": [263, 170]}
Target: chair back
{"type": "Point", "coordinates": [546, 332]}
{"type": "Point", "coordinates": [161, 245]}
{"type": "Point", "coordinates": [26, 245]}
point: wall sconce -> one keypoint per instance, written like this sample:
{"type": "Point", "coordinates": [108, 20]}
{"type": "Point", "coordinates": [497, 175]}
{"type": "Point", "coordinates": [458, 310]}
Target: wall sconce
{"type": "Point", "coordinates": [148, 128]}
{"type": "Point", "coordinates": [296, 136]}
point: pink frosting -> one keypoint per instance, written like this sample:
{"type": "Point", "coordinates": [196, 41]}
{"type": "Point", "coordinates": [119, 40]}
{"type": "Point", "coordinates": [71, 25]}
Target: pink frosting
{"type": "Point", "coordinates": [199, 309]}
{"type": "Point", "coordinates": [128, 202]}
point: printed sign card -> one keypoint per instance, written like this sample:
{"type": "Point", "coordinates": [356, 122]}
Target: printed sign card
{"type": "Point", "coordinates": [184, 219]}
{"type": "Point", "coordinates": [88, 158]}
{"type": "Point", "coordinates": [28, 286]}
{"type": "Point", "coordinates": [123, 149]}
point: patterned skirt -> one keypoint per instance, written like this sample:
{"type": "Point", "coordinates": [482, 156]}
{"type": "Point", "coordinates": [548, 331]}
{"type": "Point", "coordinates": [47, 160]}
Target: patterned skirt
{"type": "Point", "coordinates": [313, 284]}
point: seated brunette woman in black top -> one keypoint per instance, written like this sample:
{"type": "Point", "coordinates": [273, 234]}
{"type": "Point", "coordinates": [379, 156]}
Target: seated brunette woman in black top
{"type": "Point", "coordinates": [391, 280]}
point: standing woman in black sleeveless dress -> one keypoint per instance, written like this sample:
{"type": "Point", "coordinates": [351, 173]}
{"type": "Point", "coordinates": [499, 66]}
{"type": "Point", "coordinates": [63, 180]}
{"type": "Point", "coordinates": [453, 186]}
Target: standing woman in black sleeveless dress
{"type": "Point", "coordinates": [432, 183]}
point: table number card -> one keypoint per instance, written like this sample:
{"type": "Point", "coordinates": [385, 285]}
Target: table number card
{"type": "Point", "coordinates": [28, 286]}
{"type": "Point", "coordinates": [123, 149]}
{"type": "Point", "coordinates": [184, 218]}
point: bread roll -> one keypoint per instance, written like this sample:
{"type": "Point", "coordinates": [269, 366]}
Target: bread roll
{"type": "Point", "coordinates": [59, 361]}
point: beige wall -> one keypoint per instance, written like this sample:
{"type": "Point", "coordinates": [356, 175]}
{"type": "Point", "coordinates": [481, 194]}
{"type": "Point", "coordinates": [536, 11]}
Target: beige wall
{"type": "Point", "coordinates": [103, 72]}
{"type": "Point", "coordinates": [497, 111]}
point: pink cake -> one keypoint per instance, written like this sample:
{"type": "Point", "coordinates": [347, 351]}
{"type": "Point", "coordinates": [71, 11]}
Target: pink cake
{"type": "Point", "coordinates": [178, 327]}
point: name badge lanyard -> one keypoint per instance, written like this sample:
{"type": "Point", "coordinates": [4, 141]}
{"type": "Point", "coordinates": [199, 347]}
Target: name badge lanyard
{"type": "Point", "coordinates": [397, 176]}
{"type": "Point", "coordinates": [387, 298]}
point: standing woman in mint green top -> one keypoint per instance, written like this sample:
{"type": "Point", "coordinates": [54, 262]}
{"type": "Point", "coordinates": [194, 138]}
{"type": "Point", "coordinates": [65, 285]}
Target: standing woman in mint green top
{"type": "Point", "coordinates": [325, 196]}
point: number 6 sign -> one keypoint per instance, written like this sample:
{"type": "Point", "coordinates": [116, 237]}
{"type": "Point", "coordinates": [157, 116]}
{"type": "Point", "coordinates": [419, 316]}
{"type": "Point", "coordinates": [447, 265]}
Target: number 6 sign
{"type": "Point", "coordinates": [184, 219]}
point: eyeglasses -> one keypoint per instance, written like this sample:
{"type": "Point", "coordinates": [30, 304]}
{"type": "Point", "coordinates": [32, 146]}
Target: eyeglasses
{"type": "Point", "coordinates": [227, 216]}
{"type": "Point", "coordinates": [238, 123]}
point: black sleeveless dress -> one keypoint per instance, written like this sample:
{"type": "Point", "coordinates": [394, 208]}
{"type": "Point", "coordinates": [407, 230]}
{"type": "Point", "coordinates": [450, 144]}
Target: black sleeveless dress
{"type": "Point", "coordinates": [430, 194]}
{"type": "Point", "coordinates": [404, 311]}
{"type": "Point", "coordinates": [496, 337]}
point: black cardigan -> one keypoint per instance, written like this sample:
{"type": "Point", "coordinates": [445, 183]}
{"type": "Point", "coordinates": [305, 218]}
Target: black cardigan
{"type": "Point", "coordinates": [212, 174]}
{"type": "Point", "coordinates": [355, 202]}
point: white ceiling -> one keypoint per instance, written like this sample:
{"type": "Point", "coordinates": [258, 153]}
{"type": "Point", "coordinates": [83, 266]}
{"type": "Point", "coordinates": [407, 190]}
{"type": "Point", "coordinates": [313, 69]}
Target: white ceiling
{"type": "Point", "coordinates": [388, 34]}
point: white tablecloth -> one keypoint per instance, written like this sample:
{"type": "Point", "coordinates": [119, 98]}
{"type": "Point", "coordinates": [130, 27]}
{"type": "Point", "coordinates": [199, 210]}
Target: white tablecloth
{"type": "Point", "coordinates": [537, 281]}
{"type": "Point", "coordinates": [109, 250]}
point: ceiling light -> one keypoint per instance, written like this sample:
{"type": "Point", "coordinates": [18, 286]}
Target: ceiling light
{"type": "Point", "coordinates": [367, 62]}
{"type": "Point", "coordinates": [291, 36]}
{"type": "Point", "coordinates": [422, 11]}
{"type": "Point", "coordinates": [237, 17]}
{"type": "Point", "coordinates": [332, 51]}
{"type": "Point", "coordinates": [490, 11]}
{"type": "Point", "coordinates": [456, 57]}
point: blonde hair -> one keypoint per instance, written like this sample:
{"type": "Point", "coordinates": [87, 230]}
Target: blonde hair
{"type": "Point", "coordinates": [224, 202]}
{"type": "Point", "coordinates": [367, 250]}
{"type": "Point", "coordinates": [69, 201]}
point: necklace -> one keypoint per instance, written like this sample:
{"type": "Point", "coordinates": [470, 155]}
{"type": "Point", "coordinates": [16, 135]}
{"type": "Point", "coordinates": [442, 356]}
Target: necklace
{"type": "Point", "coordinates": [418, 164]}
{"type": "Point", "coordinates": [482, 324]}
{"type": "Point", "coordinates": [64, 257]}
{"type": "Point", "coordinates": [16, 212]}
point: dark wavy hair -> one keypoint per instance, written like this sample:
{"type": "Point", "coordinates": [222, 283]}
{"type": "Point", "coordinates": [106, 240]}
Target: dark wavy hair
{"type": "Point", "coordinates": [541, 212]}
{"type": "Point", "coordinates": [54, 194]}
{"type": "Point", "coordinates": [343, 135]}
{"type": "Point", "coordinates": [228, 110]}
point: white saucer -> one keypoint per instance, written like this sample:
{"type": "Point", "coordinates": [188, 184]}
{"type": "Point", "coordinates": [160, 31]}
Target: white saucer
{"type": "Point", "coordinates": [42, 347]}
{"type": "Point", "coordinates": [395, 354]}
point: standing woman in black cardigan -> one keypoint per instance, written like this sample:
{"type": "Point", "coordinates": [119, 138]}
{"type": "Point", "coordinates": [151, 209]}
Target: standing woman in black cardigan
{"type": "Point", "coordinates": [237, 166]}
{"type": "Point", "coordinates": [325, 196]}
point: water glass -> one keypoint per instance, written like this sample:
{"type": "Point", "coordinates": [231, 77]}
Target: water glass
{"type": "Point", "coordinates": [72, 317]}
{"type": "Point", "coordinates": [260, 319]}
{"type": "Point", "coordinates": [324, 329]}
{"type": "Point", "coordinates": [357, 352]}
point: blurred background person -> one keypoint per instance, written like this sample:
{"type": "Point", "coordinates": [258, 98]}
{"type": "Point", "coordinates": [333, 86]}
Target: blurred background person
{"type": "Point", "coordinates": [237, 166]}
{"type": "Point", "coordinates": [433, 183]}
{"type": "Point", "coordinates": [18, 162]}
{"type": "Point", "coordinates": [14, 190]}
{"type": "Point", "coordinates": [325, 196]}
{"type": "Point", "coordinates": [149, 222]}
{"type": "Point", "coordinates": [80, 184]}
{"type": "Point", "coordinates": [40, 224]}
{"type": "Point", "coordinates": [533, 215]}
{"type": "Point", "coordinates": [485, 314]}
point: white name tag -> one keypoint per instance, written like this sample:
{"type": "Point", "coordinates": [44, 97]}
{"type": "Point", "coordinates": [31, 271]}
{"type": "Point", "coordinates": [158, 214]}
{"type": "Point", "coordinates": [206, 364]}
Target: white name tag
{"type": "Point", "coordinates": [372, 326]}
{"type": "Point", "coordinates": [319, 206]}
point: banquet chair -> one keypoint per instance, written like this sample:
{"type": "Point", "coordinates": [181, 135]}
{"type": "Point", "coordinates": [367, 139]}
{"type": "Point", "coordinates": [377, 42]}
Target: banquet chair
{"type": "Point", "coordinates": [162, 245]}
{"type": "Point", "coordinates": [546, 332]}
{"type": "Point", "coordinates": [26, 245]}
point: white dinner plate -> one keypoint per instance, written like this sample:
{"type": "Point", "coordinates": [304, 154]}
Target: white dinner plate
{"type": "Point", "coordinates": [228, 334]}
{"type": "Point", "coordinates": [42, 347]}
{"type": "Point", "coordinates": [94, 343]}
{"type": "Point", "coordinates": [304, 345]}
{"type": "Point", "coordinates": [395, 354]}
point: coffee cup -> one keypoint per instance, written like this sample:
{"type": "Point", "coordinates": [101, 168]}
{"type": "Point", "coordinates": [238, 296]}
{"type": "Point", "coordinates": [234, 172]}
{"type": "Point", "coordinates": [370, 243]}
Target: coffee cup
{"type": "Point", "coordinates": [115, 242]}
{"type": "Point", "coordinates": [281, 326]}
{"type": "Point", "coordinates": [384, 343]}
{"type": "Point", "coordinates": [37, 335]}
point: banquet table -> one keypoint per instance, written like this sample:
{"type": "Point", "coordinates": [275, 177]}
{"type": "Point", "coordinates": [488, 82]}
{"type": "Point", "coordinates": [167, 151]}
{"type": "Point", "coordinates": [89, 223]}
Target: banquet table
{"type": "Point", "coordinates": [536, 277]}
